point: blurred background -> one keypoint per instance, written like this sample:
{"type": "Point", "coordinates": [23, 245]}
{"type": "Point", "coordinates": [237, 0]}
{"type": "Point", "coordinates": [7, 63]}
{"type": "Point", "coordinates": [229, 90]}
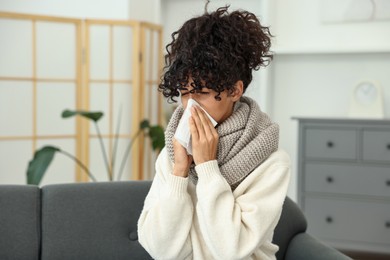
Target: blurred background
{"type": "Point", "coordinates": [322, 50]}
{"type": "Point", "coordinates": [105, 55]}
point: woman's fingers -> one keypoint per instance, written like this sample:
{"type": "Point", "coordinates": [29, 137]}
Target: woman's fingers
{"type": "Point", "coordinates": [208, 127]}
{"type": "Point", "coordinates": [206, 122]}
{"type": "Point", "coordinates": [204, 136]}
{"type": "Point", "coordinates": [193, 129]}
{"type": "Point", "coordinates": [202, 120]}
{"type": "Point", "coordinates": [195, 115]}
{"type": "Point", "coordinates": [182, 161]}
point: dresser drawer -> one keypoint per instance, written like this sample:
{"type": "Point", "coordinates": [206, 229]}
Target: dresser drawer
{"type": "Point", "coordinates": [347, 179]}
{"type": "Point", "coordinates": [348, 220]}
{"type": "Point", "coordinates": [331, 143]}
{"type": "Point", "coordinates": [376, 146]}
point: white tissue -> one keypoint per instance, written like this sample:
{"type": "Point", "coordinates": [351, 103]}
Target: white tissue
{"type": "Point", "coordinates": [183, 133]}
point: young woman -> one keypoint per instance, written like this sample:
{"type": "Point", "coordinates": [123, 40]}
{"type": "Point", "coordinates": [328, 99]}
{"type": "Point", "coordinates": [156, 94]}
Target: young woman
{"type": "Point", "coordinates": [224, 200]}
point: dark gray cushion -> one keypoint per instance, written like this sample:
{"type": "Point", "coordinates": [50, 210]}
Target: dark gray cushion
{"type": "Point", "coordinates": [19, 222]}
{"type": "Point", "coordinates": [291, 222]}
{"type": "Point", "coordinates": [305, 247]}
{"type": "Point", "coordinates": [99, 221]}
{"type": "Point", "coordinates": [92, 220]}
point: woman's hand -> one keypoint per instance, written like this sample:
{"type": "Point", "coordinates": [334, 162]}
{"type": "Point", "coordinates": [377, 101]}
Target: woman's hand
{"type": "Point", "coordinates": [182, 160]}
{"type": "Point", "coordinates": [204, 137]}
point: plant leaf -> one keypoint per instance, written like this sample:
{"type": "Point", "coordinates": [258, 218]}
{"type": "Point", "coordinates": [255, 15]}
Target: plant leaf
{"type": "Point", "coordinates": [144, 124]}
{"type": "Point", "coordinates": [92, 115]}
{"type": "Point", "coordinates": [156, 133]}
{"type": "Point", "coordinates": [68, 113]}
{"type": "Point", "coordinates": [39, 164]}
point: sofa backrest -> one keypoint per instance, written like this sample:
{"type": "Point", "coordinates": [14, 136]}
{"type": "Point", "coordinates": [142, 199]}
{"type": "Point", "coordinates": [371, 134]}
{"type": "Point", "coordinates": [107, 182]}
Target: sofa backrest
{"type": "Point", "coordinates": [92, 220]}
{"type": "Point", "coordinates": [20, 211]}
{"type": "Point", "coordinates": [99, 221]}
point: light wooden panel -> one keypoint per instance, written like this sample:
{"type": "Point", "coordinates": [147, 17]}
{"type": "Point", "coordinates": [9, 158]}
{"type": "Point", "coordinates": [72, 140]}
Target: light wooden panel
{"type": "Point", "coordinates": [13, 170]}
{"type": "Point", "coordinates": [151, 109]}
{"type": "Point", "coordinates": [109, 77]}
{"type": "Point", "coordinates": [15, 115]}
{"type": "Point", "coordinates": [119, 47]}
{"type": "Point", "coordinates": [43, 44]}
{"type": "Point", "coordinates": [16, 36]}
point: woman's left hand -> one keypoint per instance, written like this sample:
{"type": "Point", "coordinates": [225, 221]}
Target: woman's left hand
{"type": "Point", "coordinates": [204, 137]}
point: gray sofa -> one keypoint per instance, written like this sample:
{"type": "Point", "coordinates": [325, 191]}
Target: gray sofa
{"type": "Point", "coordinates": [99, 221]}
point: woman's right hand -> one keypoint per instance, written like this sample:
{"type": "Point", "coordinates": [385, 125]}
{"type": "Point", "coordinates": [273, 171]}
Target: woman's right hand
{"type": "Point", "coordinates": [182, 160]}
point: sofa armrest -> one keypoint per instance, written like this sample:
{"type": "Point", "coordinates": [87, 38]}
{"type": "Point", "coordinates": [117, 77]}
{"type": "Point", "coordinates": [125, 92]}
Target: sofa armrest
{"type": "Point", "coordinates": [303, 246]}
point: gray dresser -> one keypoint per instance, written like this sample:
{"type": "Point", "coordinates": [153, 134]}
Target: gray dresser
{"type": "Point", "coordinates": [344, 181]}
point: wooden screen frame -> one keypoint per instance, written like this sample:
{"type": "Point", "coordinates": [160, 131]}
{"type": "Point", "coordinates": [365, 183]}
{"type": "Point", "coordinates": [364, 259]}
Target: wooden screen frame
{"type": "Point", "coordinates": [82, 82]}
{"type": "Point", "coordinates": [134, 82]}
{"type": "Point", "coordinates": [34, 80]}
{"type": "Point", "coordinates": [145, 159]}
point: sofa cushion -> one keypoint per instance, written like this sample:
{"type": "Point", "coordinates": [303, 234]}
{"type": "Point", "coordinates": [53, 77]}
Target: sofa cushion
{"type": "Point", "coordinates": [19, 222]}
{"type": "Point", "coordinates": [291, 222]}
{"type": "Point", "coordinates": [305, 247]}
{"type": "Point", "coordinates": [92, 220]}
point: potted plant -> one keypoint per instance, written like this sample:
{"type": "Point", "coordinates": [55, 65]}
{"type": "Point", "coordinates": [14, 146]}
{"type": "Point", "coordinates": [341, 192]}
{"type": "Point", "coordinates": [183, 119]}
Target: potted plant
{"type": "Point", "coordinates": [43, 157]}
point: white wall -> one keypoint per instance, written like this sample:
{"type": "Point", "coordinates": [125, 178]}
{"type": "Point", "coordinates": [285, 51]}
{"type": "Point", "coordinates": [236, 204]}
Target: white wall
{"type": "Point", "coordinates": [317, 64]}
{"type": "Point", "coordinates": [299, 26]}
{"type": "Point", "coordinates": [102, 9]}
{"type": "Point", "coordinates": [145, 10]}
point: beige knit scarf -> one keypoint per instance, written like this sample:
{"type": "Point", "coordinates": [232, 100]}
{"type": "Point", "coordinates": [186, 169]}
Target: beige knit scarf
{"type": "Point", "coordinates": [246, 139]}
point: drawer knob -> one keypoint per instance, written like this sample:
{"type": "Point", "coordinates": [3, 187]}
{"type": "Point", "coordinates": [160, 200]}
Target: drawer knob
{"type": "Point", "coordinates": [329, 179]}
{"type": "Point", "coordinates": [388, 182]}
{"type": "Point", "coordinates": [387, 224]}
{"type": "Point", "coordinates": [329, 219]}
{"type": "Point", "coordinates": [388, 146]}
{"type": "Point", "coordinates": [330, 144]}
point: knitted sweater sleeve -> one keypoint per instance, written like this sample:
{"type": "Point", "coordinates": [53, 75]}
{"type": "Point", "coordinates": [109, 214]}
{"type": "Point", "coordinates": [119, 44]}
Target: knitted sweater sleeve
{"type": "Point", "coordinates": [165, 221]}
{"type": "Point", "coordinates": [234, 225]}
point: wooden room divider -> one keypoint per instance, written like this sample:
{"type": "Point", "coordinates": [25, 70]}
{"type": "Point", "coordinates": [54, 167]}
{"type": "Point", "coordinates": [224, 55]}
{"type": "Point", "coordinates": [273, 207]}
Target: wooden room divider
{"type": "Point", "coordinates": [49, 64]}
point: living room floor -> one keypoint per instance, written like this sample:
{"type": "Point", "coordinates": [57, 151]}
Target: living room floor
{"type": "Point", "coordinates": [367, 256]}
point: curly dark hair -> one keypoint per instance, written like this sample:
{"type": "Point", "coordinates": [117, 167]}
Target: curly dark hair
{"type": "Point", "coordinates": [216, 50]}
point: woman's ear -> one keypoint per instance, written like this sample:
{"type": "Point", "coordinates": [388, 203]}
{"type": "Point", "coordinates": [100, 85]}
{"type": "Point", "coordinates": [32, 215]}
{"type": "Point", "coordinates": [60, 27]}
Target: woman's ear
{"type": "Point", "coordinates": [238, 90]}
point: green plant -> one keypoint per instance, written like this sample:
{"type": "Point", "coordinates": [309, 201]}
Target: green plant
{"type": "Point", "coordinates": [43, 157]}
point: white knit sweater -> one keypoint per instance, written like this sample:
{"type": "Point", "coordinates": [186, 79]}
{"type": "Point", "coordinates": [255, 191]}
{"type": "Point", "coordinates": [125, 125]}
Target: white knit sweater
{"type": "Point", "coordinates": [209, 221]}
